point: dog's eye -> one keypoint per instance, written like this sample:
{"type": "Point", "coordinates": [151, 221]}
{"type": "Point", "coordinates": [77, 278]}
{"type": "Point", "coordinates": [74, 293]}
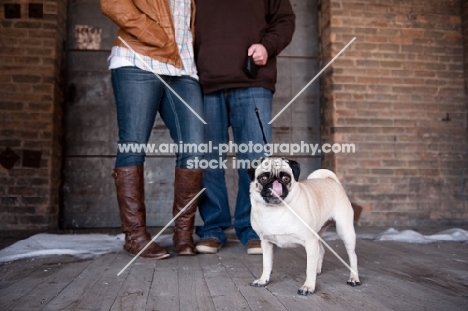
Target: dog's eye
{"type": "Point", "coordinates": [263, 179]}
{"type": "Point", "coordinates": [285, 179]}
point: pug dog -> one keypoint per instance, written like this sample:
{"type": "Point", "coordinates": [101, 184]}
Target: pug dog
{"type": "Point", "coordinates": [317, 200]}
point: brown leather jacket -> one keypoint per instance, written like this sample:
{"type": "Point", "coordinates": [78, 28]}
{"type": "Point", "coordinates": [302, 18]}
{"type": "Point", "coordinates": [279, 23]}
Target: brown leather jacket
{"type": "Point", "coordinates": [147, 27]}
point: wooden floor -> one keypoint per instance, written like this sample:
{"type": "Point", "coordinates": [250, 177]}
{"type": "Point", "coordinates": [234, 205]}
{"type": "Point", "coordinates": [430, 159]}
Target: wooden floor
{"type": "Point", "coordinates": [394, 276]}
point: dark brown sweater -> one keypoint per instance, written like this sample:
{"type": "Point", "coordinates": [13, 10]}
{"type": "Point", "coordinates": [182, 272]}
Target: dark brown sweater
{"type": "Point", "coordinates": [225, 29]}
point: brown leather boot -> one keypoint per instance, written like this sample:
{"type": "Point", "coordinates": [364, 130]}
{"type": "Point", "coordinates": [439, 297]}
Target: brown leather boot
{"type": "Point", "coordinates": [129, 183]}
{"type": "Point", "coordinates": [187, 184]}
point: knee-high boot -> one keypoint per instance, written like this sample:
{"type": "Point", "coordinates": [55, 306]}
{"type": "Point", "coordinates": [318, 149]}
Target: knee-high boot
{"type": "Point", "coordinates": [129, 183]}
{"type": "Point", "coordinates": [188, 182]}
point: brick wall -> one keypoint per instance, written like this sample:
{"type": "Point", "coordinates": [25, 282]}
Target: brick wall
{"type": "Point", "coordinates": [464, 11]}
{"type": "Point", "coordinates": [398, 94]}
{"type": "Point", "coordinates": [390, 94]}
{"type": "Point", "coordinates": [30, 114]}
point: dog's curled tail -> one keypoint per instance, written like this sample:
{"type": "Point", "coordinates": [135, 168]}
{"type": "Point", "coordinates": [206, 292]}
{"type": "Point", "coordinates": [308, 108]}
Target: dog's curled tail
{"type": "Point", "coordinates": [323, 173]}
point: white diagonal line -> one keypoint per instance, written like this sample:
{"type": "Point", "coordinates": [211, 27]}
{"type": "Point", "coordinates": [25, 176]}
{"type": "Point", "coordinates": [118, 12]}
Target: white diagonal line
{"type": "Point", "coordinates": [159, 233]}
{"type": "Point", "coordinates": [164, 82]}
{"type": "Point", "coordinates": [315, 233]}
{"type": "Point", "coordinates": [310, 82]}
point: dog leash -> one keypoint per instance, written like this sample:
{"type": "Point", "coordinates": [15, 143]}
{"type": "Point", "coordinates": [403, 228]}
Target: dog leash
{"type": "Point", "coordinates": [261, 125]}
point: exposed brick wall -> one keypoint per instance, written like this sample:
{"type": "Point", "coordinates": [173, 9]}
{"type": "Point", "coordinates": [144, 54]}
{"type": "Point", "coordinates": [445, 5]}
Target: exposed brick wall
{"type": "Point", "coordinates": [398, 94]}
{"type": "Point", "coordinates": [389, 93]}
{"type": "Point", "coordinates": [30, 115]}
{"type": "Point", "coordinates": [464, 9]}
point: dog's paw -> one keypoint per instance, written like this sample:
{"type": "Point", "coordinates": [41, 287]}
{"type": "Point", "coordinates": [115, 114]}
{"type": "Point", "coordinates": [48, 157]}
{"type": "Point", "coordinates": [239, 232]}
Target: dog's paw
{"type": "Point", "coordinates": [259, 283]}
{"type": "Point", "coordinates": [353, 283]}
{"type": "Point", "coordinates": [305, 290]}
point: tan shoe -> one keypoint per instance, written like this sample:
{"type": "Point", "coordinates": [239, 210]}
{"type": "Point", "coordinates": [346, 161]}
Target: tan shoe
{"type": "Point", "coordinates": [254, 247]}
{"type": "Point", "coordinates": [208, 246]}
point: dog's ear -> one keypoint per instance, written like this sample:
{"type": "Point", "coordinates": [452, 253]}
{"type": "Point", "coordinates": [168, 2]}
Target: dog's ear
{"type": "Point", "coordinates": [251, 173]}
{"type": "Point", "coordinates": [296, 169]}
{"type": "Point", "coordinates": [253, 166]}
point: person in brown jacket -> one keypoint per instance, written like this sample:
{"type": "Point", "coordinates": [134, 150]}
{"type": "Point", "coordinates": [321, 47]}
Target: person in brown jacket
{"type": "Point", "coordinates": [154, 49]}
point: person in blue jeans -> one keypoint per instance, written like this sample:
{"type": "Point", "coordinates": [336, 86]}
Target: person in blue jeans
{"type": "Point", "coordinates": [227, 33]}
{"type": "Point", "coordinates": [155, 37]}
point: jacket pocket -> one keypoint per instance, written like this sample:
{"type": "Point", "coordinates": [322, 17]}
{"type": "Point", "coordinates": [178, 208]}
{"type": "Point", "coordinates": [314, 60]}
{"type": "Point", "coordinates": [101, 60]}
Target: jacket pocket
{"type": "Point", "coordinates": [153, 34]}
{"type": "Point", "coordinates": [223, 59]}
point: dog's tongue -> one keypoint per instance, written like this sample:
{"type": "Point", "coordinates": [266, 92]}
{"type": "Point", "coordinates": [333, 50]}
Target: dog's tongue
{"type": "Point", "coordinates": [277, 188]}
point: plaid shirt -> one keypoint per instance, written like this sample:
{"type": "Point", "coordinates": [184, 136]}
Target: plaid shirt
{"type": "Point", "coordinates": [181, 13]}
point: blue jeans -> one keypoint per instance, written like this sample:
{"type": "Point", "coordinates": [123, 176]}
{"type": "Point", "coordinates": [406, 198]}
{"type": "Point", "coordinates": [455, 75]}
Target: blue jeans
{"type": "Point", "coordinates": [139, 95]}
{"type": "Point", "coordinates": [235, 108]}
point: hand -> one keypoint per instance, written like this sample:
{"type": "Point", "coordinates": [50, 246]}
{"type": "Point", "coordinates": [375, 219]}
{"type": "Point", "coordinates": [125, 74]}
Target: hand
{"type": "Point", "coordinates": [258, 53]}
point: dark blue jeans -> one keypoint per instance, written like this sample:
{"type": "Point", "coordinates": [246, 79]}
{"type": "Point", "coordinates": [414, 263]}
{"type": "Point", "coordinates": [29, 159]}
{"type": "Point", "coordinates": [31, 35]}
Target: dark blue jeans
{"type": "Point", "coordinates": [139, 95]}
{"type": "Point", "coordinates": [235, 108]}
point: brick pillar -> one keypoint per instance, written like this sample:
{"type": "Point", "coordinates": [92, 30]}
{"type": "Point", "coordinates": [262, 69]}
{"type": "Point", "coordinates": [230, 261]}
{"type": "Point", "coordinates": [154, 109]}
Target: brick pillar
{"type": "Point", "coordinates": [398, 94]}
{"type": "Point", "coordinates": [31, 56]}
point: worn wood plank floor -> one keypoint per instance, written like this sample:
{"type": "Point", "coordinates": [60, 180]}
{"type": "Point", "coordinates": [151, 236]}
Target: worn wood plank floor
{"type": "Point", "coordinates": [394, 275]}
